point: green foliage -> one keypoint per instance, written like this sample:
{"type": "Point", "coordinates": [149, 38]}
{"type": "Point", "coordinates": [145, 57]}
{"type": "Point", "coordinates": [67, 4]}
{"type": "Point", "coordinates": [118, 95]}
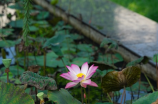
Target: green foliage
{"type": "Point", "coordinates": [17, 23]}
{"type": "Point", "coordinates": [38, 81]}
{"type": "Point", "coordinates": [155, 58]}
{"type": "Point", "coordinates": [42, 15]}
{"type": "Point", "coordinates": [6, 32]}
{"type": "Point", "coordinates": [143, 7]}
{"type": "Point", "coordinates": [104, 103]}
{"type": "Point", "coordinates": [111, 43]}
{"type": "Point", "coordinates": [3, 77]}
{"type": "Point", "coordinates": [15, 70]}
{"type": "Point", "coordinates": [142, 60]}
{"type": "Point", "coordinates": [55, 40]}
{"type": "Point", "coordinates": [51, 60]}
{"type": "Point", "coordinates": [9, 43]}
{"type": "Point", "coordinates": [62, 97]}
{"type": "Point", "coordinates": [147, 99]}
{"type": "Point", "coordinates": [110, 58]}
{"type": "Point", "coordinates": [143, 87]}
{"type": "Point", "coordinates": [54, 2]}
{"type": "Point", "coordinates": [10, 94]}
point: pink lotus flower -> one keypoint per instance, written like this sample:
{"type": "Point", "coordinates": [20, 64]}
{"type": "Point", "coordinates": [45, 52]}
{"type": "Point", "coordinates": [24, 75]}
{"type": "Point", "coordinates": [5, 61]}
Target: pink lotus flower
{"type": "Point", "coordinates": [80, 76]}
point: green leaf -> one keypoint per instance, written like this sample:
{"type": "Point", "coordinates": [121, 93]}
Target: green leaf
{"type": "Point", "coordinates": [56, 49]}
{"type": "Point", "coordinates": [10, 94]}
{"type": "Point", "coordinates": [103, 103]}
{"type": "Point", "coordinates": [4, 77]}
{"type": "Point", "coordinates": [85, 47]}
{"type": "Point", "coordinates": [42, 15]}
{"type": "Point", "coordinates": [155, 57]}
{"type": "Point", "coordinates": [6, 32]}
{"type": "Point", "coordinates": [116, 80]}
{"type": "Point", "coordinates": [17, 23]}
{"type": "Point", "coordinates": [101, 73]}
{"type": "Point", "coordinates": [17, 6]}
{"type": "Point", "coordinates": [38, 81]}
{"type": "Point", "coordinates": [143, 60]}
{"type": "Point", "coordinates": [110, 58]}
{"type": "Point", "coordinates": [15, 70]}
{"type": "Point", "coordinates": [56, 40]}
{"type": "Point", "coordinates": [62, 97]}
{"type": "Point", "coordinates": [33, 28]}
{"type": "Point", "coordinates": [9, 43]}
{"type": "Point", "coordinates": [80, 60]}
{"type": "Point", "coordinates": [109, 42]}
{"type": "Point", "coordinates": [51, 60]}
{"type": "Point", "coordinates": [147, 99]}
{"type": "Point", "coordinates": [135, 87]}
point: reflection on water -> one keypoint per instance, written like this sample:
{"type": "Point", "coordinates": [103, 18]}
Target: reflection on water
{"type": "Point", "coordinates": [10, 55]}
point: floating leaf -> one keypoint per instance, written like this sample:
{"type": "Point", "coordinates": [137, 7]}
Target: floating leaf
{"type": "Point", "coordinates": [110, 58]}
{"type": "Point", "coordinates": [143, 60]}
{"type": "Point", "coordinates": [80, 60]}
{"type": "Point", "coordinates": [9, 43]}
{"type": "Point", "coordinates": [6, 32]}
{"type": "Point", "coordinates": [62, 97]}
{"type": "Point", "coordinates": [15, 70]}
{"type": "Point", "coordinates": [17, 6]}
{"type": "Point", "coordinates": [111, 43]}
{"type": "Point", "coordinates": [103, 103]}
{"type": "Point", "coordinates": [42, 15]}
{"type": "Point", "coordinates": [17, 24]}
{"type": "Point", "coordinates": [116, 80]}
{"type": "Point", "coordinates": [10, 94]}
{"type": "Point", "coordinates": [4, 77]}
{"type": "Point", "coordinates": [38, 81]}
{"type": "Point", "coordinates": [33, 28]}
{"type": "Point", "coordinates": [102, 65]}
{"type": "Point", "coordinates": [57, 39]}
{"type": "Point", "coordinates": [147, 99]}
{"type": "Point", "coordinates": [56, 49]}
{"type": "Point", "coordinates": [51, 60]}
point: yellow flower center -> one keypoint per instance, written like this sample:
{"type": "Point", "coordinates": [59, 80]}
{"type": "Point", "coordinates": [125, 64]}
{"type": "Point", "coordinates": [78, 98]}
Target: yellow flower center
{"type": "Point", "coordinates": [80, 75]}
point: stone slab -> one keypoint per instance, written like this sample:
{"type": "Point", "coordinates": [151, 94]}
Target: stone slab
{"type": "Point", "coordinates": [133, 30]}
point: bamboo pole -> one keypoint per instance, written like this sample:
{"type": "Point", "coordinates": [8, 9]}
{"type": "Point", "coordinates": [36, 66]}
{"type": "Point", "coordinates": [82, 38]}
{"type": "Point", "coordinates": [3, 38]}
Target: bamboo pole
{"type": "Point", "coordinates": [97, 37]}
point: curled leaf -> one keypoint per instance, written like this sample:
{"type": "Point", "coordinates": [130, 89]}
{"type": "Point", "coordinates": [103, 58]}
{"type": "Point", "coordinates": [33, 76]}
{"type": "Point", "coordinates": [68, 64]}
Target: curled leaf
{"type": "Point", "coordinates": [116, 80]}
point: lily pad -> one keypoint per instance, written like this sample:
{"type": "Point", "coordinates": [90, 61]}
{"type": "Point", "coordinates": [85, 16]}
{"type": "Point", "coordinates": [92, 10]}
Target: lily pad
{"type": "Point", "coordinates": [40, 82]}
{"type": "Point", "coordinates": [15, 70]}
{"type": "Point", "coordinates": [62, 97]}
{"type": "Point", "coordinates": [116, 80]}
{"type": "Point", "coordinates": [111, 43]}
{"type": "Point", "coordinates": [10, 94]}
{"type": "Point", "coordinates": [147, 99]}
{"type": "Point", "coordinates": [6, 32]}
{"type": "Point", "coordinates": [9, 43]}
{"type": "Point", "coordinates": [17, 24]}
{"type": "Point", "coordinates": [57, 39]}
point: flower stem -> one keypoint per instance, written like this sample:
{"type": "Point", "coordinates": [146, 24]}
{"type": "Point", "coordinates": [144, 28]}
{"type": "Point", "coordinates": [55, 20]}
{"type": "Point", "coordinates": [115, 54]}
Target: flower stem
{"type": "Point", "coordinates": [64, 64]}
{"type": "Point", "coordinates": [149, 82]}
{"type": "Point", "coordinates": [85, 94]}
{"type": "Point", "coordinates": [81, 95]}
{"type": "Point", "coordinates": [109, 97]}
